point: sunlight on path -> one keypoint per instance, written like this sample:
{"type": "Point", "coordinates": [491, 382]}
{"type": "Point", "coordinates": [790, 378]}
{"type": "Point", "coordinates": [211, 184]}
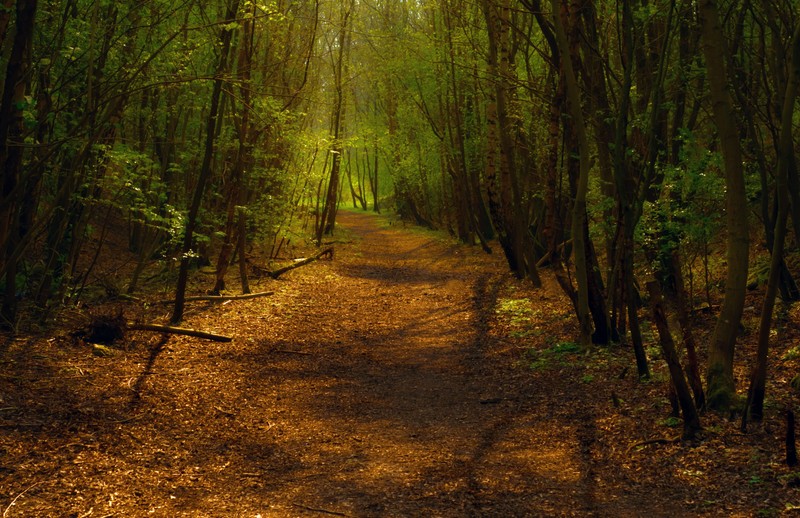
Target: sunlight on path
{"type": "Point", "coordinates": [399, 424]}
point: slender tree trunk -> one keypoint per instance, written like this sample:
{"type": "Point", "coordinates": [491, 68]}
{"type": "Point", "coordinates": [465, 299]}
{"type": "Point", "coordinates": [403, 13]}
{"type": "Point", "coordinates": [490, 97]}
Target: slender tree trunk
{"type": "Point", "coordinates": [691, 421]}
{"type": "Point", "coordinates": [340, 67]}
{"type": "Point", "coordinates": [786, 154]}
{"type": "Point", "coordinates": [205, 169]}
{"type": "Point", "coordinates": [11, 130]}
{"type": "Point", "coordinates": [579, 207]}
{"type": "Point", "coordinates": [720, 380]}
{"type": "Point", "coordinates": [241, 243]}
{"type": "Point", "coordinates": [235, 194]}
{"type": "Point", "coordinates": [682, 303]}
{"type": "Point", "coordinates": [373, 179]}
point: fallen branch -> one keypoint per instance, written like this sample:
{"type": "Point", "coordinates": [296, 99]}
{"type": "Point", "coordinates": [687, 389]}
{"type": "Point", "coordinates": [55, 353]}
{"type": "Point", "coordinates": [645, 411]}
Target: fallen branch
{"type": "Point", "coordinates": [287, 351]}
{"type": "Point", "coordinates": [221, 298]}
{"type": "Point", "coordinates": [318, 509]}
{"type": "Point", "coordinates": [664, 440]}
{"type": "Point", "coordinates": [179, 331]}
{"type": "Point", "coordinates": [297, 264]}
{"type": "Point", "coordinates": [14, 502]}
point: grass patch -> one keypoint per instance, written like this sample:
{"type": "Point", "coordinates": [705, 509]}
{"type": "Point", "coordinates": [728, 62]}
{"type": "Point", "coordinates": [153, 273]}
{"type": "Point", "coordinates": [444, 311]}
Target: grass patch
{"type": "Point", "coordinates": [519, 316]}
{"type": "Point", "coordinates": [556, 354]}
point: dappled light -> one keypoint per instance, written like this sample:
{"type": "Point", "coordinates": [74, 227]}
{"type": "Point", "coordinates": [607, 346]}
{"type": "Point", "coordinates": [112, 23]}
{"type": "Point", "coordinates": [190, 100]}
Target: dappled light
{"type": "Point", "coordinates": [399, 258]}
{"type": "Point", "coordinates": [394, 380]}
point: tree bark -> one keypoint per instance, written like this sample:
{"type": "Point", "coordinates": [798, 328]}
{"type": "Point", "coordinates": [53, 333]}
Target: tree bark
{"type": "Point", "coordinates": [328, 218]}
{"type": "Point", "coordinates": [579, 207]}
{"type": "Point", "coordinates": [205, 169]}
{"type": "Point", "coordinates": [11, 130]}
{"type": "Point", "coordinates": [720, 380]}
{"type": "Point", "coordinates": [786, 155]}
{"type": "Point", "coordinates": [691, 421]}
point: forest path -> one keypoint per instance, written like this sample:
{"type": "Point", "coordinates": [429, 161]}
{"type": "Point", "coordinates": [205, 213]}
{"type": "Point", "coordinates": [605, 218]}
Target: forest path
{"type": "Point", "coordinates": [370, 385]}
{"type": "Point", "coordinates": [406, 418]}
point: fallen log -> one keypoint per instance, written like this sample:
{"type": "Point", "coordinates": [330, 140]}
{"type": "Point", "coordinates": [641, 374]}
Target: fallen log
{"type": "Point", "coordinates": [221, 298]}
{"type": "Point", "coordinates": [302, 262]}
{"type": "Point", "coordinates": [178, 331]}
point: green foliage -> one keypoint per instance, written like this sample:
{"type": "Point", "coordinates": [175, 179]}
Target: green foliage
{"type": "Point", "coordinates": [555, 355]}
{"type": "Point", "coordinates": [689, 211]}
{"type": "Point", "coordinates": [519, 311]}
{"type": "Point", "coordinates": [566, 348]}
{"type": "Point", "coordinates": [759, 271]}
{"type": "Point", "coordinates": [133, 185]}
{"type": "Point", "coordinates": [672, 422]}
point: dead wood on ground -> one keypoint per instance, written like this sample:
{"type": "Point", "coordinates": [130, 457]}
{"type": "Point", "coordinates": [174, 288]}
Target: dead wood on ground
{"type": "Point", "coordinates": [179, 331]}
{"type": "Point", "coordinates": [302, 262]}
{"type": "Point", "coordinates": [221, 298]}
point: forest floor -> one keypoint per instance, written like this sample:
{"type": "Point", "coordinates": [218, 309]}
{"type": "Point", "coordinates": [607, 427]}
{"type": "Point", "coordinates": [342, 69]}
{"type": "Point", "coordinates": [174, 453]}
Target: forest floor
{"type": "Point", "coordinates": [408, 376]}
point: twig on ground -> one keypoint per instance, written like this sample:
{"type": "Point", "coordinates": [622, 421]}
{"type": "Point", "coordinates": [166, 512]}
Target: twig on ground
{"type": "Point", "coordinates": [662, 440]}
{"type": "Point", "coordinates": [13, 502]}
{"type": "Point", "coordinates": [302, 262]}
{"type": "Point", "coordinates": [319, 510]}
{"type": "Point", "coordinates": [220, 298]}
{"type": "Point", "coordinates": [179, 331]}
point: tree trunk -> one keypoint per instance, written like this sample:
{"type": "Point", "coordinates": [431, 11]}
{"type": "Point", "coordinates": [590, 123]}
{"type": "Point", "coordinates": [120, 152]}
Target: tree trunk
{"type": "Point", "coordinates": [205, 169]}
{"type": "Point", "coordinates": [720, 380]}
{"type": "Point", "coordinates": [691, 421]}
{"type": "Point", "coordinates": [235, 194]}
{"type": "Point", "coordinates": [11, 130]}
{"type": "Point", "coordinates": [373, 178]}
{"type": "Point", "coordinates": [241, 241]}
{"type": "Point", "coordinates": [328, 219]}
{"type": "Point", "coordinates": [579, 207]}
{"type": "Point", "coordinates": [786, 154]}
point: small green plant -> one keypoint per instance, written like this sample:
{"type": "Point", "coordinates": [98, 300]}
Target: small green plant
{"type": "Point", "coordinates": [671, 422]}
{"type": "Point", "coordinates": [538, 364]}
{"type": "Point", "coordinates": [517, 310]}
{"type": "Point", "coordinates": [541, 358]}
{"type": "Point", "coordinates": [566, 348]}
{"type": "Point", "coordinates": [653, 351]}
{"type": "Point", "coordinates": [791, 354]}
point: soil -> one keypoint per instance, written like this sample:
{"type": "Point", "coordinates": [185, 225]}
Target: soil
{"type": "Point", "coordinates": [407, 376]}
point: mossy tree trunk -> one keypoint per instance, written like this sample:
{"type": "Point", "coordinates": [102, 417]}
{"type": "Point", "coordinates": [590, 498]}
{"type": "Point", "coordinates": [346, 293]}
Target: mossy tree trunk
{"type": "Point", "coordinates": [720, 380]}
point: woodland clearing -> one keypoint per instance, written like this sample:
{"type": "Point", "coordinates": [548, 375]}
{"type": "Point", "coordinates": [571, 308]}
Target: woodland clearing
{"type": "Point", "coordinates": [408, 376]}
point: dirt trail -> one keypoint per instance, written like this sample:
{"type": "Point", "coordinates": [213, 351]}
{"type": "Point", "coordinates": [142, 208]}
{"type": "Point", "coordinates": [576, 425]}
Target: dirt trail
{"type": "Point", "coordinates": [405, 420]}
{"type": "Point", "coordinates": [366, 386]}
